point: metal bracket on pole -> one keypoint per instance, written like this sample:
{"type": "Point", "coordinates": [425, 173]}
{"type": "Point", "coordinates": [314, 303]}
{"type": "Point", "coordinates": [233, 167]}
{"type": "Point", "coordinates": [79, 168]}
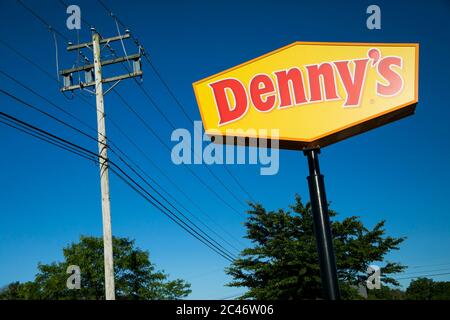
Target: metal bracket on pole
{"type": "Point", "coordinates": [102, 41]}
{"type": "Point", "coordinates": [112, 87]}
{"type": "Point", "coordinates": [322, 228]}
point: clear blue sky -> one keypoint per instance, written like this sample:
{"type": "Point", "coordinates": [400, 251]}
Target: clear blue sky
{"type": "Point", "coordinates": [48, 198]}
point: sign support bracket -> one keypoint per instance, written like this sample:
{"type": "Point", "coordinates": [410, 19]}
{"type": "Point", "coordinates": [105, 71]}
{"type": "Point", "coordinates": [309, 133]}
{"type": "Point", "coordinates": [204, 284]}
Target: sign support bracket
{"type": "Point", "coordinates": [322, 228]}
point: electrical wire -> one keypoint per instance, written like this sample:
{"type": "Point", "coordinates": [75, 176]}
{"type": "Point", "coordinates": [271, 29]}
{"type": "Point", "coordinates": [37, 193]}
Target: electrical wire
{"type": "Point", "coordinates": [175, 185]}
{"type": "Point", "coordinates": [153, 132]}
{"type": "Point", "coordinates": [45, 23]}
{"type": "Point", "coordinates": [120, 173]}
{"type": "Point", "coordinates": [42, 137]}
{"type": "Point", "coordinates": [115, 125]}
{"type": "Point", "coordinates": [424, 271]}
{"type": "Point", "coordinates": [149, 97]}
{"type": "Point", "coordinates": [42, 20]}
{"type": "Point", "coordinates": [425, 276]}
{"type": "Point", "coordinates": [167, 87]}
{"type": "Point", "coordinates": [92, 138]}
{"type": "Point", "coordinates": [10, 95]}
{"type": "Point", "coordinates": [48, 101]}
{"type": "Point", "coordinates": [129, 166]}
{"type": "Point", "coordinates": [158, 109]}
{"type": "Point", "coordinates": [429, 265]}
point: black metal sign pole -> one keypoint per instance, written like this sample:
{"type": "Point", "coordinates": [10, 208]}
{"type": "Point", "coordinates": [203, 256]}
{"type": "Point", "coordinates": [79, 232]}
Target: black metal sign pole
{"type": "Point", "coordinates": [322, 227]}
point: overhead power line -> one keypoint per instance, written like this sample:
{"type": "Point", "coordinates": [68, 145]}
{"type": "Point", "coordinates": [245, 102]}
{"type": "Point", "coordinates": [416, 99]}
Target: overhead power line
{"type": "Point", "coordinates": [43, 21]}
{"type": "Point", "coordinates": [104, 165]}
{"type": "Point", "coordinates": [146, 94]}
{"type": "Point", "coordinates": [153, 132]}
{"type": "Point", "coordinates": [118, 171]}
{"type": "Point", "coordinates": [172, 94]}
{"type": "Point", "coordinates": [153, 102]}
{"type": "Point", "coordinates": [50, 28]}
{"type": "Point", "coordinates": [232, 297]}
{"type": "Point", "coordinates": [425, 276]}
{"type": "Point", "coordinates": [6, 93]}
{"type": "Point", "coordinates": [125, 162]}
{"type": "Point", "coordinates": [181, 191]}
{"type": "Point", "coordinates": [81, 132]}
{"type": "Point", "coordinates": [429, 265]}
{"type": "Point", "coordinates": [423, 271]}
{"type": "Point", "coordinates": [42, 137]}
{"type": "Point", "coordinates": [115, 147]}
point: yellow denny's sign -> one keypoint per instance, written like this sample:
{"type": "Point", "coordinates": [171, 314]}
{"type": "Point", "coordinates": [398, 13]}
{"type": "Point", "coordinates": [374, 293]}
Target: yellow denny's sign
{"type": "Point", "coordinates": [314, 93]}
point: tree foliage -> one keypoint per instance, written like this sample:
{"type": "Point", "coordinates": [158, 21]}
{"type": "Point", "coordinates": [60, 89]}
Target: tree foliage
{"type": "Point", "coordinates": [386, 293]}
{"type": "Point", "coordinates": [283, 261]}
{"type": "Point", "coordinates": [427, 289]}
{"type": "Point", "coordinates": [135, 276]}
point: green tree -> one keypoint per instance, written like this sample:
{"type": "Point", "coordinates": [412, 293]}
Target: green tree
{"type": "Point", "coordinates": [283, 261]}
{"type": "Point", "coordinates": [427, 289]}
{"type": "Point", "coordinates": [420, 289]}
{"type": "Point", "coordinates": [386, 293]}
{"type": "Point", "coordinates": [135, 276]}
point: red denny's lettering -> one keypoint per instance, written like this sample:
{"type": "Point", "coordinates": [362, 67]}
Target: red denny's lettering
{"type": "Point", "coordinates": [288, 88]}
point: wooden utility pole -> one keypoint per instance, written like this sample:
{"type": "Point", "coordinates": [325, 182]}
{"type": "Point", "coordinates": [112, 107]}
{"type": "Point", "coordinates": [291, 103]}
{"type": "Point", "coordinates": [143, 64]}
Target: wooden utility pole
{"type": "Point", "coordinates": [97, 82]}
{"type": "Point", "coordinates": [104, 178]}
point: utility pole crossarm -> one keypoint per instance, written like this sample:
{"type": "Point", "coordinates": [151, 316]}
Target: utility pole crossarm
{"type": "Point", "coordinates": [106, 80]}
{"type": "Point", "coordinates": [131, 57]}
{"type": "Point", "coordinates": [88, 69]}
{"type": "Point", "coordinates": [102, 41]}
